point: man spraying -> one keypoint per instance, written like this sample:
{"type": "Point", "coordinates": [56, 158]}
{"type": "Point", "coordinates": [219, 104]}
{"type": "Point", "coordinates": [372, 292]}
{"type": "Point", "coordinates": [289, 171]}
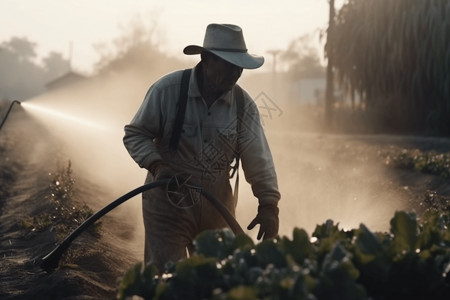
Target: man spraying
{"type": "Point", "coordinates": [199, 122]}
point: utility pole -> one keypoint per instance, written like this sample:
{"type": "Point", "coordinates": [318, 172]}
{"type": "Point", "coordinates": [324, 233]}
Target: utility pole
{"type": "Point", "coordinates": [70, 55]}
{"type": "Point", "coordinates": [329, 94]}
{"type": "Point", "coordinates": [274, 54]}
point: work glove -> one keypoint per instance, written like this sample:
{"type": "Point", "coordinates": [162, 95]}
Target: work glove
{"type": "Point", "coordinates": [161, 170]}
{"type": "Point", "coordinates": [267, 218]}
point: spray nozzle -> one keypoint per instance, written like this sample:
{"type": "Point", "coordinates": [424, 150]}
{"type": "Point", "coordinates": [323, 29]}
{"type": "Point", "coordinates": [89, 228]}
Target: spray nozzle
{"type": "Point", "coordinates": [9, 110]}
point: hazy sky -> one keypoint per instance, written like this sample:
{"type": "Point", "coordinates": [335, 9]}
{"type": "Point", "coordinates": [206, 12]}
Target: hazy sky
{"type": "Point", "coordinates": [55, 24]}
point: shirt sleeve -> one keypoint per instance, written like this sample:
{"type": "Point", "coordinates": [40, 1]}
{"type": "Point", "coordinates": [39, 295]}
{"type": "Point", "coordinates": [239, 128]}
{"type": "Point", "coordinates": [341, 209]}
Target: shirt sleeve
{"type": "Point", "coordinates": [144, 128]}
{"type": "Point", "coordinates": [256, 157]}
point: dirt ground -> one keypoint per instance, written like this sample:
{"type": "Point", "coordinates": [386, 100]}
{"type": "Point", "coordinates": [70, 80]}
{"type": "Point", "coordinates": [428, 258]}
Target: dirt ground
{"type": "Point", "coordinates": [28, 153]}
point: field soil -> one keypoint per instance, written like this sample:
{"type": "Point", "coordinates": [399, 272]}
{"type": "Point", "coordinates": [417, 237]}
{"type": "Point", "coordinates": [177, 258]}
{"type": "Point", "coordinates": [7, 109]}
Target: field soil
{"type": "Point", "coordinates": [91, 267]}
{"type": "Point", "coordinates": [28, 153]}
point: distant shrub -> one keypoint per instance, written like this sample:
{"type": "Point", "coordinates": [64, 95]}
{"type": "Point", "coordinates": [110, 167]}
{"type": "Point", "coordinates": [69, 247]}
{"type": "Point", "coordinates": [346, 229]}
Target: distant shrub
{"type": "Point", "coordinates": [428, 162]}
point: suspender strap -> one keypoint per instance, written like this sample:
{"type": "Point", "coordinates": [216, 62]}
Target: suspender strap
{"type": "Point", "coordinates": [240, 115]}
{"type": "Point", "coordinates": [240, 107]}
{"type": "Point", "coordinates": [182, 101]}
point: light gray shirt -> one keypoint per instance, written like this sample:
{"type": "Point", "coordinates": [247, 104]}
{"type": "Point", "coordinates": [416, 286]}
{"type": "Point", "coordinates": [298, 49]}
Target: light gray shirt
{"type": "Point", "coordinates": [209, 141]}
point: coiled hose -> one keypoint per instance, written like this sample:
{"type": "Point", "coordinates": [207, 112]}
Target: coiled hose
{"type": "Point", "coordinates": [51, 261]}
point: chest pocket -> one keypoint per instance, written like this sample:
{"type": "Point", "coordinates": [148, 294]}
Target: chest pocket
{"type": "Point", "coordinates": [190, 141]}
{"type": "Point", "coordinates": [227, 138]}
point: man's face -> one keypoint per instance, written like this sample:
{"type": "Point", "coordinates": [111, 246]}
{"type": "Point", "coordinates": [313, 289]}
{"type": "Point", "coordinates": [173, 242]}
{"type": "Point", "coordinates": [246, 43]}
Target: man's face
{"type": "Point", "coordinates": [220, 73]}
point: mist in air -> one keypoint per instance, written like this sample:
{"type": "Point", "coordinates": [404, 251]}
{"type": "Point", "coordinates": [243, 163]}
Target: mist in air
{"type": "Point", "coordinates": [317, 182]}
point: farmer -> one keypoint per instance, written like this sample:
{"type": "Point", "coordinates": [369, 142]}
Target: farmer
{"type": "Point", "coordinates": [211, 137]}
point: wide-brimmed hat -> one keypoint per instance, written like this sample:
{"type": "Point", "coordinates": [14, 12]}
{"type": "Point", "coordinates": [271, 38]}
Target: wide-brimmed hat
{"type": "Point", "coordinates": [227, 42]}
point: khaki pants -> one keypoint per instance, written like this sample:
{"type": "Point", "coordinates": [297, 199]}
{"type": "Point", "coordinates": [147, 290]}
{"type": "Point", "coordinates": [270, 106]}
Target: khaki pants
{"type": "Point", "coordinates": [170, 231]}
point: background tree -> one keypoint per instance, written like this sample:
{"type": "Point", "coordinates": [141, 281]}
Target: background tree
{"type": "Point", "coordinates": [396, 56]}
{"type": "Point", "coordinates": [137, 48]}
{"type": "Point", "coordinates": [55, 65]}
{"type": "Point", "coordinates": [302, 59]}
{"type": "Point", "coordinates": [21, 76]}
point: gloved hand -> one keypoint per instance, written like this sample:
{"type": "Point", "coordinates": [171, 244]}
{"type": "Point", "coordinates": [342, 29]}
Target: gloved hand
{"type": "Point", "coordinates": [161, 170]}
{"type": "Point", "coordinates": [267, 218]}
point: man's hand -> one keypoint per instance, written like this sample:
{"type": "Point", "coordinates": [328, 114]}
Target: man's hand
{"type": "Point", "coordinates": [161, 170]}
{"type": "Point", "coordinates": [267, 218]}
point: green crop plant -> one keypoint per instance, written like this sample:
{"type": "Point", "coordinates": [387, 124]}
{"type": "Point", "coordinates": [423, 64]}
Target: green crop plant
{"type": "Point", "coordinates": [411, 261]}
{"type": "Point", "coordinates": [396, 56]}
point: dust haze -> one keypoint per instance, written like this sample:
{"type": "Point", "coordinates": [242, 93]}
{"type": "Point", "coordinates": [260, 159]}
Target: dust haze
{"type": "Point", "coordinates": [320, 176]}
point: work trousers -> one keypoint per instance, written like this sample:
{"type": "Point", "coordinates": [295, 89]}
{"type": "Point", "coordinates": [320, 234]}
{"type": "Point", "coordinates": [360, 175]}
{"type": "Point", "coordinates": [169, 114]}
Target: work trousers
{"type": "Point", "coordinates": [170, 231]}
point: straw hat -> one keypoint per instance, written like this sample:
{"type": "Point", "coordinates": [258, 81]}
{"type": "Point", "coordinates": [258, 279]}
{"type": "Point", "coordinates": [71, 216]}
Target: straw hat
{"type": "Point", "coordinates": [227, 42]}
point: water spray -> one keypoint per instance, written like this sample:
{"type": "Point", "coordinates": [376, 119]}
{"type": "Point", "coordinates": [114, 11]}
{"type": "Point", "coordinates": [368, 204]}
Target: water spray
{"type": "Point", "coordinates": [65, 116]}
{"type": "Point", "coordinates": [7, 113]}
{"type": "Point", "coordinates": [178, 195]}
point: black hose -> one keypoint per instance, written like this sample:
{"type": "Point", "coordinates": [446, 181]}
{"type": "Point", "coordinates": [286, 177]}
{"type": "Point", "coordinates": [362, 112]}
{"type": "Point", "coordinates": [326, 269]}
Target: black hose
{"type": "Point", "coordinates": [234, 225]}
{"type": "Point", "coordinates": [51, 261]}
{"type": "Point", "coordinates": [7, 113]}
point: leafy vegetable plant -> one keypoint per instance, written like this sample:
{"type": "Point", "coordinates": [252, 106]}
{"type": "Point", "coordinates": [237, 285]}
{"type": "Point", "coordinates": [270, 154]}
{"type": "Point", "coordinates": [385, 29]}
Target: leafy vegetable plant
{"type": "Point", "coordinates": [412, 261]}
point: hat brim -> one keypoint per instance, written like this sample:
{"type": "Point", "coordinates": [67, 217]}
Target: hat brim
{"type": "Point", "coordinates": [241, 59]}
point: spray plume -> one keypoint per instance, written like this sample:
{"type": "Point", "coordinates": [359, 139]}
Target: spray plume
{"type": "Point", "coordinates": [64, 116]}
